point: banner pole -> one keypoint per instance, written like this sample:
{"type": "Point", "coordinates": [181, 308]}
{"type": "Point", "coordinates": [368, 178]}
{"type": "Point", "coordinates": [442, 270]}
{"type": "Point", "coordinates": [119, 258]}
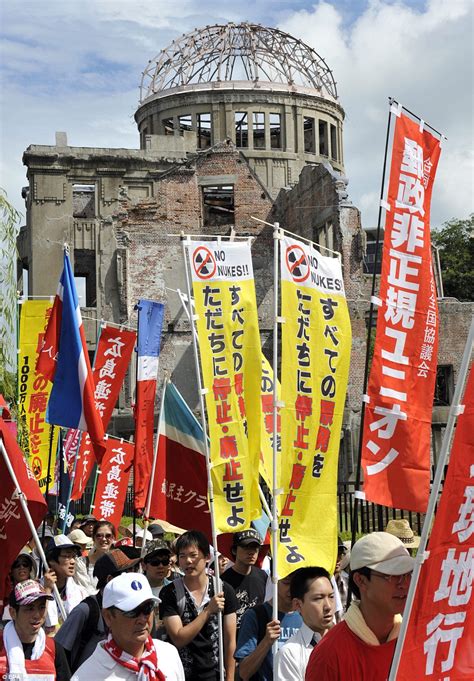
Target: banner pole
{"type": "Point", "coordinates": [153, 469]}
{"type": "Point", "coordinates": [21, 498]}
{"type": "Point", "coordinates": [73, 476]}
{"type": "Point", "coordinates": [430, 512]}
{"type": "Point", "coordinates": [46, 492]}
{"type": "Point", "coordinates": [210, 488]}
{"type": "Point", "coordinates": [274, 514]}
{"type": "Point", "coordinates": [94, 488]}
{"type": "Point", "coordinates": [367, 350]}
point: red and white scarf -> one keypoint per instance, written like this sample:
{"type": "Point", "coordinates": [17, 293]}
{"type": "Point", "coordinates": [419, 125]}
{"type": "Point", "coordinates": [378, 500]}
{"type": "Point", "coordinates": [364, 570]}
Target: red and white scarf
{"type": "Point", "coordinates": [146, 667]}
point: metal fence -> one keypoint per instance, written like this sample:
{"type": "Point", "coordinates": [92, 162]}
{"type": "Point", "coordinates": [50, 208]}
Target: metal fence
{"type": "Point", "coordinates": [370, 517]}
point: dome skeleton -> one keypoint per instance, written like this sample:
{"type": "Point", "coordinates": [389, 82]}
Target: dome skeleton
{"type": "Point", "coordinates": [236, 53]}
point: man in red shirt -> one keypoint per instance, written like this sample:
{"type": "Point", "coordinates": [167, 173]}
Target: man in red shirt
{"type": "Point", "coordinates": [362, 645]}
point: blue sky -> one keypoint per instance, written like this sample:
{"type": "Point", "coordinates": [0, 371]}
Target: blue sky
{"type": "Point", "coordinates": [76, 65]}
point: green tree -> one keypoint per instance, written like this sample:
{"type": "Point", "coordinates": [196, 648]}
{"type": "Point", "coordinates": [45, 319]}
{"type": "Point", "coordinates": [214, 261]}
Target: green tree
{"type": "Point", "coordinates": [455, 241]}
{"type": "Point", "coordinates": [9, 219]}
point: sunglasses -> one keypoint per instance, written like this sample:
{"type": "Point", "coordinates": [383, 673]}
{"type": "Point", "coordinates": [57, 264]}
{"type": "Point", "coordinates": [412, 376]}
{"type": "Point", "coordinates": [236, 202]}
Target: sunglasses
{"type": "Point", "coordinates": [144, 609]}
{"type": "Point", "coordinates": [104, 536]}
{"type": "Point", "coordinates": [158, 561]}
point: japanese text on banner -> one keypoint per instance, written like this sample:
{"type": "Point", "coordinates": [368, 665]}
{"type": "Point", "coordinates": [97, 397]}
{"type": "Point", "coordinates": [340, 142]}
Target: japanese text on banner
{"type": "Point", "coordinates": [397, 425]}
{"type": "Point", "coordinates": [438, 642]}
{"type": "Point", "coordinates": [33, 392]}
{"type": "Point", "coordinates": [229, 342]}
{"type": "Point", "coordinates": [316, 345]}
{"type": "Point", "coordinates": [112, 485]}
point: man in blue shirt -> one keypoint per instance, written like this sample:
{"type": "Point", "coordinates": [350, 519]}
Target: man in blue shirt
{"type": "Point", "coordinates": [258, 631]}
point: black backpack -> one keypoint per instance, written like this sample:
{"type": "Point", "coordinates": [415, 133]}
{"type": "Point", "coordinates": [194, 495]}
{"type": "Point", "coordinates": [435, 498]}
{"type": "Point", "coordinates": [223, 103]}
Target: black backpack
{"type": "Point", "coordinates": [89, 630]}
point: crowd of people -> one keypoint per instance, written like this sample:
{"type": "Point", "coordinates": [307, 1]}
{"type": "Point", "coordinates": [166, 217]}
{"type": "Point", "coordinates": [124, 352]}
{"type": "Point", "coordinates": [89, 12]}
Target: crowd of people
{"type": "Point", "coordinates": [147, 609]}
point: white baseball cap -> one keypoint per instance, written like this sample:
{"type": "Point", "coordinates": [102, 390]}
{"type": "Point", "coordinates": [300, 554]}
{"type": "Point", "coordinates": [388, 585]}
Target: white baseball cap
{"type": "Point", "coordinates": [127, 591]}
{"type": "Point", "coordinates": [383, 552]}
{"type": "Point", "coordinates": [141, 533]}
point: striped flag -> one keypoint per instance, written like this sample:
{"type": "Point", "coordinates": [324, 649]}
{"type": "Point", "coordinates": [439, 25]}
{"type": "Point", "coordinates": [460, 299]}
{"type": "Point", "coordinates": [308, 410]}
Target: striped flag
{"type": "Point", "coordinates": [65, 361]}
{"type": "Point", "coordinates": [150, 323]}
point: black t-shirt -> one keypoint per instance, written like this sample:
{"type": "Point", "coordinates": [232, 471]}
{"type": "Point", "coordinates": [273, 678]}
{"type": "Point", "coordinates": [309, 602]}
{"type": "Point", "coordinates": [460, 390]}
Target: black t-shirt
{"type": "Point", "coordinates": [249, 589]}
{"type": "Point", "coordinates": [200, 657]}
{"type": "Point", "coordinates": [60, 662]}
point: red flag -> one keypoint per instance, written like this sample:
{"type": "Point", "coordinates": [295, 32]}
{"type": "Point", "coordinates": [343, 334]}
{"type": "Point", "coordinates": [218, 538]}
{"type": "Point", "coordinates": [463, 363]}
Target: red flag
{"type": "Point", "coordinates": [440, 634]}
{"type": "Point", "coordinates": [180, 486]}
{"type": "Point", "coordinates": [397, 425]}
{"type": "Point", "coordinates": [112, 486]}
{"type": "Point", "coordinates": [111, 361]}
{"type": "Point", "coordinates": [14, 529]}
{"type": "Point", "coordinates": [49, 343]}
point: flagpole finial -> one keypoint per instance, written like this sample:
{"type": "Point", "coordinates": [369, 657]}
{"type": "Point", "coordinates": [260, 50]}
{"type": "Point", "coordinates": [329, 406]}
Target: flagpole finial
{"type": "Point", "coordinates": [66, 247]}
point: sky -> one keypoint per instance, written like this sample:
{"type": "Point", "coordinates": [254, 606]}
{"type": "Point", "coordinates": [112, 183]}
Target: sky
{"type": "Point", "coordinates": [76, 66]}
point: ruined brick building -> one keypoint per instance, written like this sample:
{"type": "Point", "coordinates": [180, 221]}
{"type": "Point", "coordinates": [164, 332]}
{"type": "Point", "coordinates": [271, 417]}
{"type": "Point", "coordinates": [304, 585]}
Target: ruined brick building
{"type": "Point", "coordinates": [235, 122]}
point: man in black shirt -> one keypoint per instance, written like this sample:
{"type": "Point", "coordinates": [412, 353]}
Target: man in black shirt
{"type": "Point", "coordinates": [25, 650]}
{"type": "Point", "coordinates": [189, 608]}
{"type": "Point", "coordinates": [247, 580]}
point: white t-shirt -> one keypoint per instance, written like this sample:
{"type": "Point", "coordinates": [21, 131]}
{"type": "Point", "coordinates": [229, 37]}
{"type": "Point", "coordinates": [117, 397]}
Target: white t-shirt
{"type": "Point", "coordinates": [102, 667]}
{"type": "Point", "coordinates": [293, 657]}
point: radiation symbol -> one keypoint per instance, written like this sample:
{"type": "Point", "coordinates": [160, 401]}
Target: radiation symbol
{"type": "Point", "coordinates": [204, 263]}
{"type": "Point", "coordinates": [36, 467]}
{"type": "Point", "coordinates": [297, 263]}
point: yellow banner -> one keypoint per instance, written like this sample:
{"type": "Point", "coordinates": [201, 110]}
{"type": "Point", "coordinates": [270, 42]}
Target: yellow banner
{"type": "Point", "coordinates": [316, 346]}
{"type": "Point", "coordinates": [33, 394]}
{"type": "Point", "coordinates": [229, 344]}
{"type": "Point", "coordinates": [266, 453]}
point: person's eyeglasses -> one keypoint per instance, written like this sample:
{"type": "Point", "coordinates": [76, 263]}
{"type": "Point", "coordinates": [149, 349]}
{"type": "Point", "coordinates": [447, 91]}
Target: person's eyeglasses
{"type": "Point", "coordinates": [104, 536]}
{"type": "Point", "coordinates": [145, 608]}
{"type": "Point", "coordinates": [393, 579]}
{"type": "Point", "coordinates": [158, 561]}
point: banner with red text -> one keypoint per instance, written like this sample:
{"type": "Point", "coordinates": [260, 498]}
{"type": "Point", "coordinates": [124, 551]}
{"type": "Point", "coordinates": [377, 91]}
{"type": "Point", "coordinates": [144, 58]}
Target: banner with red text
{"type": "Point", "coordinates": [112, 484]}
{"type": "Point", "coordinates": [440, 634]}
{"type": "Point", "coordinates": [36, 436]}
{"type": "Point", "coordinates": [266, 450]}
{"type": "Point", "coordinates": [229, 345]}
{"type": "Point", "coordinates": [316, 347]}
{"type": "Point", "coordinates": [399, 401]}
{"type": "Point", "coordinates": [111, 361]}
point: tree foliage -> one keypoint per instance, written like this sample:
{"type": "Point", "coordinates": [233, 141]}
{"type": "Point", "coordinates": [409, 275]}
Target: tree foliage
{"type": "Point", "coordinates": [455, 241]}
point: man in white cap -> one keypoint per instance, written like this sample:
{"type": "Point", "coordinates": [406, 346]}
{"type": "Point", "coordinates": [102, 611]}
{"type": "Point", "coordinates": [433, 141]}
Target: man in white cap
{"type": "Point", "coordinates": [129, 653]}
{"type": "Point", "coordinates": [25, 650]}
{"type": "Point", "coordinates": [362, 645]}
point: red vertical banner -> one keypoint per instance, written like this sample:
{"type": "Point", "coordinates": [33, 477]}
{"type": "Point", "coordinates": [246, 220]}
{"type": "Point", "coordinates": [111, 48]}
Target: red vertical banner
{"type": "Point", "coordinates": [112, 485]}
{"type": "Point", "coordinates": [440, 634]}
{"type": "Point", "coordinates": [399, 400]}
{"type": "Point", "coordinates": [112, 358]}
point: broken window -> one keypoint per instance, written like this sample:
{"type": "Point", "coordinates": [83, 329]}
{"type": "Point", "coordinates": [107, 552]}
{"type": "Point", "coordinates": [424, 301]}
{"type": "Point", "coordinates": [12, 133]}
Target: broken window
{"type": "Point", "coordinates": [203, 130]}
{"type": "Point", "coordinates": [185, 123]}
{"type": "Point", "coordinates": [83, 200]}
{"type": "Point", "coordinates": [333, 142]}
{"type": "Point", "coordinates": [444, 387]}
{"type": "Point", "coordinates": [241, 129]}
{"type": "Point", "coordinates": [168, 126]}
{"type": "Point", "coordinates": [218, 205]}
{"type": "Point", "coordinates": [309, 138]}
{"type": "Point", "coordinates": [85, 276]}
{"type": "Point", "coordinates": [259, 130]}
{"type": "Point", "coordinates": [275, 131]}
{"type": "Point", "coordinates": [323, 138]}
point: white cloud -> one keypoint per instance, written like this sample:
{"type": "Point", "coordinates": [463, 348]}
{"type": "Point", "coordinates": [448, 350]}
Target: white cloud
{"type": "Point", "coordinates": [423, 57]}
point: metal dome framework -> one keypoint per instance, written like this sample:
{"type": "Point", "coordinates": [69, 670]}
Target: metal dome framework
{"type": "Point", "coordinates": [236, 53]}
